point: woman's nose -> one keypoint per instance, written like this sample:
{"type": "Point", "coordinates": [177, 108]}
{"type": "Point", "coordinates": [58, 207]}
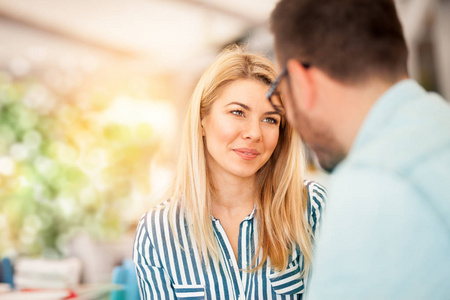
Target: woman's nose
{"type": "Point", "coordinates": [252, 130]}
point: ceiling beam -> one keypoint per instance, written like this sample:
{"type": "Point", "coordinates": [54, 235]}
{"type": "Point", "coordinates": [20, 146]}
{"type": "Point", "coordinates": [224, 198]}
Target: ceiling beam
{"type": "Point", "coordinates": [16, 18]}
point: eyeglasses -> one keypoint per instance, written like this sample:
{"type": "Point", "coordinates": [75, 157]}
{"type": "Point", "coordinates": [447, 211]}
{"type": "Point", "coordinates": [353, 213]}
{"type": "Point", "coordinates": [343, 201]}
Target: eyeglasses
{"type": "Point", "coordinates": [274, 85]}
{"type": "Point", "coordinates": [273, 89]}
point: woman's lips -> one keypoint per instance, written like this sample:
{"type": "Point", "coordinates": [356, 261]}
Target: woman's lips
{"type": "Point", "coordinates": [246, 153]}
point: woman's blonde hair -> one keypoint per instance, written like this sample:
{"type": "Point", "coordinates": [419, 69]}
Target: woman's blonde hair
{"type": "Point", "coordinates": [282, 202]}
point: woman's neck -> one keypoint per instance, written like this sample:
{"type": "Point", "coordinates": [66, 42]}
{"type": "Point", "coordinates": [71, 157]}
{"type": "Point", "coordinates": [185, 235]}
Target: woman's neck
{"type": "Point", "coordinates": [233, 197]}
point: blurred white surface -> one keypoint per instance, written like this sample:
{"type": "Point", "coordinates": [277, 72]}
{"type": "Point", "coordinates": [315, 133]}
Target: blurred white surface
{"type": "Point", "coordinates": [31, 273]}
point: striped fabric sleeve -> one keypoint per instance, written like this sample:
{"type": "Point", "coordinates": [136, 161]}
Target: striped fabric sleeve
{"type": "Point", "coordinates": [153, 280]}
{"type": "Point", "coordinates": [317, 199]}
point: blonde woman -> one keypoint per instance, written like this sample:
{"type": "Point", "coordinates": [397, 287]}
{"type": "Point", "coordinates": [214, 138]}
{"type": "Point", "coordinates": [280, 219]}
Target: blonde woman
{"type": "Point", "coordinates": [240, 219]}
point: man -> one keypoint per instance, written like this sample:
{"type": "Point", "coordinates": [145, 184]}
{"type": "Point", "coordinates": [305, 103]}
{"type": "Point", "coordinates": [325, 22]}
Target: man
{"type": "Point", "coordinates": [386, 231]}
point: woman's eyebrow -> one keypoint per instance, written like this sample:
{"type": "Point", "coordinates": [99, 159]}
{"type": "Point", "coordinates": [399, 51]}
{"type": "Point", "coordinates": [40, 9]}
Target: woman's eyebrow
{"type": "Point", "coordinates": [240, 104]}
{"type": "Point", "coordinates": [249, 109]}
{"type": "Point", "coordinates": [272, 113]}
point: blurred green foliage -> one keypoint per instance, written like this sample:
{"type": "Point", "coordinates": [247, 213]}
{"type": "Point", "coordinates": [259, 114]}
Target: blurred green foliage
{"type": "Point", "coordinates": [62, 171]}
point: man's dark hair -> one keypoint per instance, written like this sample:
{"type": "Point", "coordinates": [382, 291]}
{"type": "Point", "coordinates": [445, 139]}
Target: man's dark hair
{"type": "Point", "coordinates": [350, 40]}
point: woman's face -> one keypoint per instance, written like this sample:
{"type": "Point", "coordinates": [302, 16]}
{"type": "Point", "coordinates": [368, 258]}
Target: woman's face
{"type": "Point", "coordinates": [241, 130]}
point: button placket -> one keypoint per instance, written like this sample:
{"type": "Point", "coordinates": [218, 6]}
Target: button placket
{"type": "Point", "coordinates": [231, 259]}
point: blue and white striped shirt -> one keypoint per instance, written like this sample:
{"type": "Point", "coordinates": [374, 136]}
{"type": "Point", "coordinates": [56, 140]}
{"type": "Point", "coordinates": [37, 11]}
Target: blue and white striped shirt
{"type": "Point", "coordinates": [168, 266]}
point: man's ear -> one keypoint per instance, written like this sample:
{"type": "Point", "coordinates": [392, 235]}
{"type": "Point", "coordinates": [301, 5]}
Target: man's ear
{"type": "Point", "coordinates": [302, 84]}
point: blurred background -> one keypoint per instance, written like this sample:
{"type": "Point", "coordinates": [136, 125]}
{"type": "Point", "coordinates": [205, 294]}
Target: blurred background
{"type": "Point", "coordinates": [92, 98]}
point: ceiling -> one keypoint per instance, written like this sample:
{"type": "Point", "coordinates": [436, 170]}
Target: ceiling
{"type": "Point", "coordinates": [149, 36]}
{"type": "Point", "coordinates": [168, 33]}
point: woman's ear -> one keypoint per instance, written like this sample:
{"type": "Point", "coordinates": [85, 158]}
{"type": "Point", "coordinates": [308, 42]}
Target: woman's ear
{"type": "Point", "coordinates": [301, 84]}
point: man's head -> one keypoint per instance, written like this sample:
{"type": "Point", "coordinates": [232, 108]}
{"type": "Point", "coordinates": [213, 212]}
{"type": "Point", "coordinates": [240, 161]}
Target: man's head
{"type": "Point", "coordinates": [349, 45]}
{"type": "Point", "coordinates": [349, 40]}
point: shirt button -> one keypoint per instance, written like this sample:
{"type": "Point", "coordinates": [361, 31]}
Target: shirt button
{"type": "Point", "coordinates": [231, 265]}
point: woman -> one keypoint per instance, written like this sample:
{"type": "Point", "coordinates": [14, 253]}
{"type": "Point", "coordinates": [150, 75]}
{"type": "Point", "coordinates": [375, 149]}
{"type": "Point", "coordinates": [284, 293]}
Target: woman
{"type": "Point", "coordinates": [239, 220]}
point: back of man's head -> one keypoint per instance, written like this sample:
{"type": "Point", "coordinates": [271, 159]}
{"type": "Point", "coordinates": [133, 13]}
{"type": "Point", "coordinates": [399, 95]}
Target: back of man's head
{"type": "Point", "coordinates": [350, 40]}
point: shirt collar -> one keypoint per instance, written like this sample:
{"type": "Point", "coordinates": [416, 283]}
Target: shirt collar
{"type": "Point", "coordinates": [249, 217]}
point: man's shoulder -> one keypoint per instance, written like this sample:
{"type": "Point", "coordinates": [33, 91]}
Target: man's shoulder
{"type": "Point", "coordinates": [380, 191]}
{"type": "Point", "coordinates": [374, 219]}
{"type": "Point", "coordinates": [409, 139]}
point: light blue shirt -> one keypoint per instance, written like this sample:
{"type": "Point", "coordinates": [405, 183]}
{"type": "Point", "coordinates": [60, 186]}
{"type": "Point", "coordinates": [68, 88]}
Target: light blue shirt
{"type": "Point", "coordinates": [386, 230]}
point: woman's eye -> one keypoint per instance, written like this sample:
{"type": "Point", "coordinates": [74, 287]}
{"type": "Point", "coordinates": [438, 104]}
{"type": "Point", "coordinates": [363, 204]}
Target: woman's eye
{"type": "Point", "coordinates": [271, 120]}
{"type": "Point", "coordinates": [237, 112]}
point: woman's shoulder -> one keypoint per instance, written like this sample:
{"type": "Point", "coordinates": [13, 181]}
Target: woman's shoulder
{"type": "Point", "coordinates": [160, 215]}
{"type": "Point", "coordinates": [316, 192]}
{"type": "Point", "coordinates": [317, 196]}
{"type": "Point", "coordinates": [155, 229]}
